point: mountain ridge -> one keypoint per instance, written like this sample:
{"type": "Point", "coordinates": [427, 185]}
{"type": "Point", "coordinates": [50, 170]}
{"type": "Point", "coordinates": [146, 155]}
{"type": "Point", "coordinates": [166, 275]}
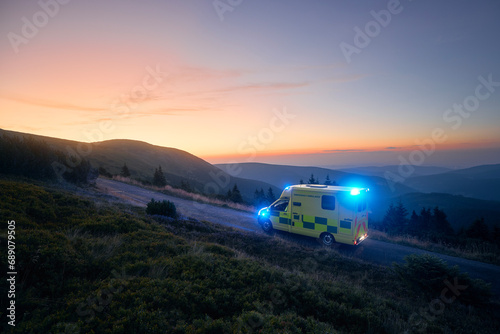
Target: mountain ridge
{"type": "Point", "coordinates": [143, 158]}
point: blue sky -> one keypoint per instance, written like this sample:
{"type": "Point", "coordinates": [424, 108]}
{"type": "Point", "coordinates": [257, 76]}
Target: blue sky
{"type": "Point", "coordinates": [221, 82]}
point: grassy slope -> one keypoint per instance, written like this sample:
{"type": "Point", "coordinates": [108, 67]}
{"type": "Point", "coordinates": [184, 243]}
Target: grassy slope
{"type": "Point", "coordinates": [89, 265]}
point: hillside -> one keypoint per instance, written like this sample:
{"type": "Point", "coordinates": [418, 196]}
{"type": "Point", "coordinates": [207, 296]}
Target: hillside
{"type": "Point", "coordinates": [85, 265]}
{"type": "Point", "coordinates": [142, 159]}
{"type": "Point", "coordinates": [480, 182]}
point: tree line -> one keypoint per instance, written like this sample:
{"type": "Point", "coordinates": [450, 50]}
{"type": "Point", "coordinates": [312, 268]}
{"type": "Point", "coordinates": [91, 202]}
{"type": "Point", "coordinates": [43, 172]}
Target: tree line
{"type": "Point", "coordinates": [159, 180]}
{"type": "Point", "coordinates": [313, 180]}
{"type": "Point", "coordinates": [433, 224]}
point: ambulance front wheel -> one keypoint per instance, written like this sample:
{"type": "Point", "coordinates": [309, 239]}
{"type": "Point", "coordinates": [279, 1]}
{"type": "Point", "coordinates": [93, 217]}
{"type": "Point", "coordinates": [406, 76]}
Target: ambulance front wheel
{"type": "Point", "coordinates": [267, 226]}
{"type": "Point", "coordinates": [326, 239]}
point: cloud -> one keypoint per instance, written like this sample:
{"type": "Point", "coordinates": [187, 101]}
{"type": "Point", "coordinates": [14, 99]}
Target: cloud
{"type": "Point", "coordinates": [393, 148]}
{"type": "Point", "coordinates": [265, 87]}
{"type": "Point", "coordinates": [49, 104]}
{"type": "Point", "coordinates": [343, 151]}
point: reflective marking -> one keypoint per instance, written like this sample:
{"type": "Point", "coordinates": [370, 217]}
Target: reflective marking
{"type": "Point", "coordinates": [320, 220]}
{"type": "Point", "coordinates": [309, 225]}
{"type": "Point", "coordinates": [285, 221]}
{"type": "Point", "coordinates": [345, 224]}
{"type": "Point", "coordinates": [331, 229]}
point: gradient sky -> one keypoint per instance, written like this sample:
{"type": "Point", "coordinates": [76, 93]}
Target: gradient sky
{"type": "Point", "coordinates": [211, 81]}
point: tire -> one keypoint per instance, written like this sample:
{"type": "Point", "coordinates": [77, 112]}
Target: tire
{"type": "Point", "coordinates": [326, 239]}
{"type": "Point", "coordinates": [267, 226]}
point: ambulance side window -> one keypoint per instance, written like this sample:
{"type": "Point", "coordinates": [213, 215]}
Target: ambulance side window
{"type": "Point", "coordinates": [328, 202]}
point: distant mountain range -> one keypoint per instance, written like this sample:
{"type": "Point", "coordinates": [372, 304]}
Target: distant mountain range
{"type": "Point", "coordinates": [478, 182]}
{"type": "Point", "coordinates": [380, 171]}
{"type": "Point", "coordinates": [481, 182]}
{"type": "Point", "coordinates": [464, 195]}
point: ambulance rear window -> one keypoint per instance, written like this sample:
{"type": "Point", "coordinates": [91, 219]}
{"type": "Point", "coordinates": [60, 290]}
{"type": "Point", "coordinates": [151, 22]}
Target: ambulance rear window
{"type": "Point", "coordinates": [328, 202]}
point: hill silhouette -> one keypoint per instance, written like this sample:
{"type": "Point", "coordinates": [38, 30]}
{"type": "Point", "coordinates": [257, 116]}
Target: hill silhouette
{"type": "Point", "coordinates": [143, 158]}
{"type": "Point", "coordinates": [480, 182]}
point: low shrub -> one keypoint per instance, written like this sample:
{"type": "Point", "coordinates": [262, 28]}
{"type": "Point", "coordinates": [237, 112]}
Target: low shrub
{"type": "Point", "coordinates": [431, 276]}
{"type": "Point", "coordinates": [163, 208]}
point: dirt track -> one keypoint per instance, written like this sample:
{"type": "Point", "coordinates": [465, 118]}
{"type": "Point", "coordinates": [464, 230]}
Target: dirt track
{"type": "Point", "coordinates": [374, 251]}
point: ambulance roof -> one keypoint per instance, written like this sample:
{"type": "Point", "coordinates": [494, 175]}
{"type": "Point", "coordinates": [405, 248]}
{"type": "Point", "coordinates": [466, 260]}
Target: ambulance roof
{"type": "Point", "coordinates": [321, 187]}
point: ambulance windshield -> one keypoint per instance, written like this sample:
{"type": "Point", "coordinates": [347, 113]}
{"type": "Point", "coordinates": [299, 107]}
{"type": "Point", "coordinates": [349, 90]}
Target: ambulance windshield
{"type": "Point", "coordinates": [280, 205]}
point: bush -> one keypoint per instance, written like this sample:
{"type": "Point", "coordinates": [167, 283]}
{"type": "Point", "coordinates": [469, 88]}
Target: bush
{"type": "Point", "coordinates": [164, 208]}
{"type": "Point", "coordinates": [431, 275]}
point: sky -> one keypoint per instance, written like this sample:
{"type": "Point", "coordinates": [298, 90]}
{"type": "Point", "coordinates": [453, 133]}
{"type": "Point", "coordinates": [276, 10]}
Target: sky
{"type": "Point", "coordinates": [301, 82]}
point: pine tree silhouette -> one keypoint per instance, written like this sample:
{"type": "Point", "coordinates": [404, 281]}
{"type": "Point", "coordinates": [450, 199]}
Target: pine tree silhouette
{"type": "Point", "coordinates": [235, 195]}
{"type": "Point", "coordinates": [125, 171]}
{"type": "Point", "coordinates": [158, 178]}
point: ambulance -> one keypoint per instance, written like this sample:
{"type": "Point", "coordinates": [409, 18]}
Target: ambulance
{"type": "Point", "coordinates": [329, 213]}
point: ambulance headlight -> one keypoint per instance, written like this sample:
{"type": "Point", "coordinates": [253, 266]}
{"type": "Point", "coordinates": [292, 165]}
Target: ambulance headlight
{"type": "Point", "coordinates": [355, 191]}
{"type": "Point", "coordinates": [264, 213]}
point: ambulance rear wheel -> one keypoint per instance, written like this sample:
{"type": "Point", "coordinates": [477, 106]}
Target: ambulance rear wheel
{"type": "Point", "coordinates": [267, 226]}
{"type": "Point", "coordinates": [326, 239]}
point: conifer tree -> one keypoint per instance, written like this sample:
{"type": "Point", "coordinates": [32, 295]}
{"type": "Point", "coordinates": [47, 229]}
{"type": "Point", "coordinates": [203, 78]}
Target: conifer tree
{"type": "Point", "coordinates": [235, 195]}
{"type": "Point", "coordinates": [259, 198]}
{"type": "Point", "coordinates": [478, 230]}
{"type": "Point", "coordinates": [270, 195]}
{"type": "Point", "coordinates": [440, 225]}
{"type": "Point", "coordinates": [125, 171]}
{"type": "Point", "coordinates": [413, 224]}
{"type": "Point", "coordinates": [395, 220]}
{"type": "Point", "coordinates": [158, 178]}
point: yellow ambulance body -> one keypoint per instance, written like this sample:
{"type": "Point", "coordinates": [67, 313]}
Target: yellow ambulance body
{"type": "Point", "coordinates": [329, 213]}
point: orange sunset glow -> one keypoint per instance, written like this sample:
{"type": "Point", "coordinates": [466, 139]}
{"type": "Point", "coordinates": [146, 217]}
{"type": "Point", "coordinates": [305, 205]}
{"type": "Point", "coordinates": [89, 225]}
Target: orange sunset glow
{"type": "Point", "coordinates": [263, 82]}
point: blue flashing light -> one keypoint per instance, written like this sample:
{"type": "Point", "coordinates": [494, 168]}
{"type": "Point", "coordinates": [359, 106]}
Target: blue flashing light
{"type": "Point", "coordinates": [264, 212]}
{"type": "Point", "coordinates": [287, 188]}
{"type": "Point", "coordinates": [355, 191]}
